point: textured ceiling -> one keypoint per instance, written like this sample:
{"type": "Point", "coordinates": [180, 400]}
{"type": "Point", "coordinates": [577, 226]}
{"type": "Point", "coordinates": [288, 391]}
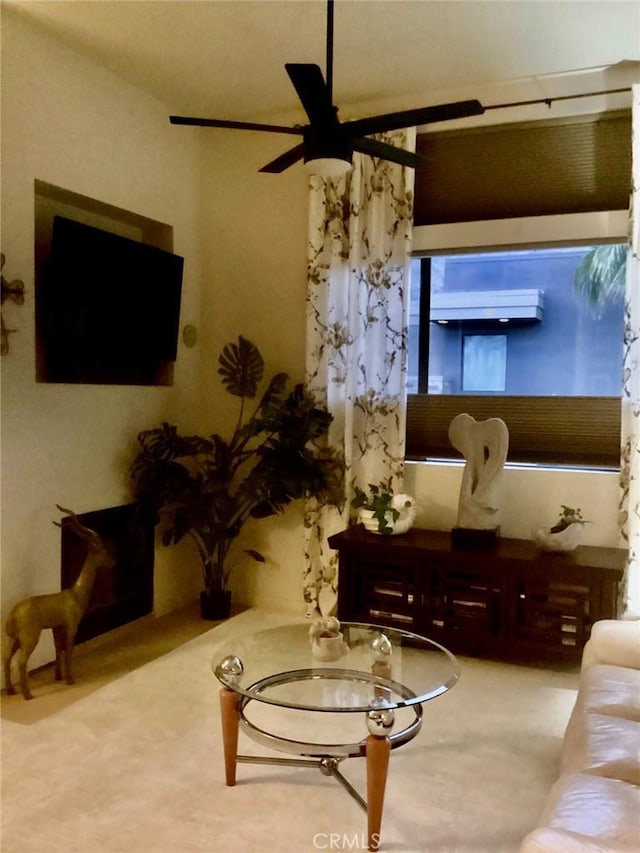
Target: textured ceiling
{"type": "Point", "coordinates": [225, 58]}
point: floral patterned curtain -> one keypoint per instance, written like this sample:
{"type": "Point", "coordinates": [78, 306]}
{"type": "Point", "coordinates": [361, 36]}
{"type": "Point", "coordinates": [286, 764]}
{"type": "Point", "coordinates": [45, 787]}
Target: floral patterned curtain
{"type": "Point", "coordinates": [360, 230]}
{"type": "Point", "coordinates": [630, 461]}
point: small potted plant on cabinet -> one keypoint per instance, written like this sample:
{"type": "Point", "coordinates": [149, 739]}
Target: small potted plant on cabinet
{"type": "Point", "coordinates": [207, 487]}
{"type": "Point", "coordinates": [565, 534]}
{"type": "Point", "coordinates": [382, 511]}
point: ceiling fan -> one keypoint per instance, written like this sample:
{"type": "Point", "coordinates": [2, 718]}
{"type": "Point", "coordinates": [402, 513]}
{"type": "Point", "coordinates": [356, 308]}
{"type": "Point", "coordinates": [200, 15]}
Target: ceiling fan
{"type": "Point", "coordinates": [327, 143]}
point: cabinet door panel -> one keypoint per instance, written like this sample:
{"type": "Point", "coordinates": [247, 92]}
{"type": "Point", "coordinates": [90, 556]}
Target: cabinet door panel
{"type": "Point", "coordinates": [386, 594]}
{"type": "Point", "coordinates": [471, 607]}
{"type": "Point", "coordinates": [553, 613]}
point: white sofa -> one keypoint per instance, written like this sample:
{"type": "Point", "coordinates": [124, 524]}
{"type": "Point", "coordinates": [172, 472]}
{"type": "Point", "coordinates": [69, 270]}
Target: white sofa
{"type": "Point", "coordinates": [595, 804]}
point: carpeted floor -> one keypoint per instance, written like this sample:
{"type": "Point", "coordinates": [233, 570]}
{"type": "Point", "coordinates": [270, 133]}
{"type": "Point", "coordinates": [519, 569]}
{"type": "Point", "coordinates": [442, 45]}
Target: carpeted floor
{"type": "Point", "coordinates": [136, 766]}
{"type": "Point", "coordinates": [102, 659]}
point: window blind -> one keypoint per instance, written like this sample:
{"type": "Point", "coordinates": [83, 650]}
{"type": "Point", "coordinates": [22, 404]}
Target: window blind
{"type": "Point", "coordinates": [528, 169]}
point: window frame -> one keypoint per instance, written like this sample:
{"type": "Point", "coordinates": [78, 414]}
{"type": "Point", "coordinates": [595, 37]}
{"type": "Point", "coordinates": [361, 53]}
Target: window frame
{"type": "Point", "coordinates": [555, 431]}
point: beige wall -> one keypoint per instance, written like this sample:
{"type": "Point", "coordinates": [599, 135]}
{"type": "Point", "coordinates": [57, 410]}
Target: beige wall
{"type": "Point", "coordinates": [255, 230]}
{"type": "Point", "coordinates": [527, 498]}
{"type": "Point", "coordinates": [243, 235]}
{"type": "Point", "coordinates": [74, 125]}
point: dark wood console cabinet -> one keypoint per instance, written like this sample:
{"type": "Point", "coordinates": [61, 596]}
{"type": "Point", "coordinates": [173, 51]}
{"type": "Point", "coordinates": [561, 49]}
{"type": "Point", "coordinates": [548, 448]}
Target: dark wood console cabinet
{"type": "Point", "coordinates": [508, 601]}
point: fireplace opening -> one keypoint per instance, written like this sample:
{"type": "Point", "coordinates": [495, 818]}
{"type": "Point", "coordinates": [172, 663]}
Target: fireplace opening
{"type": "Point", "coordinates": [124, 592]}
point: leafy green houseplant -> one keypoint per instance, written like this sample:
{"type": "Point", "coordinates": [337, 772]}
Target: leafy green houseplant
{"type": "Point", "coordinates": [568, 515]}
{"type": "Point", "coordinates": [206, 488]}
{"type": "Point", "coordinates": [383, 511]}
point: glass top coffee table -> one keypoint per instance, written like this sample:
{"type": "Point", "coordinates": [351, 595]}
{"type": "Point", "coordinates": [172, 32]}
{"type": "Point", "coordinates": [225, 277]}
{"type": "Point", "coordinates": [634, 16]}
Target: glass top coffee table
{"type": "Point", "coordinates": [383, 673]}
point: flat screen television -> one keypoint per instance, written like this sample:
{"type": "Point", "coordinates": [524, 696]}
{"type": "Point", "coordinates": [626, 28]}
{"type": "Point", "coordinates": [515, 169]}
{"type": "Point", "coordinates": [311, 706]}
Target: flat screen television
{"type": "Point", "coordinates": [109, 307]}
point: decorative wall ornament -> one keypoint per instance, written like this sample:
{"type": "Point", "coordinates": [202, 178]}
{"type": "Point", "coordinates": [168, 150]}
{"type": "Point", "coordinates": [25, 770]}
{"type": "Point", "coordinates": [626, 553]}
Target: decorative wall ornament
{"type": "Point", "coordinates": [484, 445]}
{"type": "Point", "coordinates": [13, 290]}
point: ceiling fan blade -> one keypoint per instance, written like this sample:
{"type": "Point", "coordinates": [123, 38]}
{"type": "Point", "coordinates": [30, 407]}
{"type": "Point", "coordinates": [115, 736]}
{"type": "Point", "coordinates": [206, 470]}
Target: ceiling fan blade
{"type": "Point", "coordinates": [413, 118]}
{"type": "Point", "coordinates": [285, 160]}
{"type": "Point", "coordinates": [237, 125]}
{"type": "Point", "coordinates": [313, 92]}
{"type": "Point", "coordinates": [388, 152]}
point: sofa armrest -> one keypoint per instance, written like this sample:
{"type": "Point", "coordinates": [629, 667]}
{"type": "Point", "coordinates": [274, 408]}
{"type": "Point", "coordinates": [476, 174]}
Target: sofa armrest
{"type": "Point", "coordinates": [613, 641]}
{"type": "Point", "coordinates": [547, 840]}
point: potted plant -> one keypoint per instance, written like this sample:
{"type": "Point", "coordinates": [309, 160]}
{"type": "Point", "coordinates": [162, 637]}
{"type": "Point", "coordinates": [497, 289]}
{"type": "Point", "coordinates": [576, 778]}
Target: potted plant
{"type": "Point", "coordinates": [207, 487]}
{"type": "Point", "coordinates": [565, 534]}
{"type": "Point", "coordinates": [382, 511]}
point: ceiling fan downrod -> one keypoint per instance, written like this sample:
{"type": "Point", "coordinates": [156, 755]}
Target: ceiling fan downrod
{"type": "Point", "coordinates": [329, 60]}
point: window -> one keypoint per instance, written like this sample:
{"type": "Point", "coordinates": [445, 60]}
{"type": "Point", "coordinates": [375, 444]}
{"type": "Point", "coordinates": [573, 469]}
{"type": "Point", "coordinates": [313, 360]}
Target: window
{"type": "Point", "coordinates": [484, 362]}
{"type": "Point", "coordinates": [507, 334]}
{"type": "Point", "coordinates": [554, 166]}
{"type": "Point", "coordinates": [501, 190]}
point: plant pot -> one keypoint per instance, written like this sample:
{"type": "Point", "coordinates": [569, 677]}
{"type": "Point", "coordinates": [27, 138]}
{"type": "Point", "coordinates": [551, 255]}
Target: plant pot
{"type": "Point", "coordinates": [399, 525]}
{"type": "Point", "coordinates": [562, 541]}
{"type": "Point", "coordinates": [215, 605]}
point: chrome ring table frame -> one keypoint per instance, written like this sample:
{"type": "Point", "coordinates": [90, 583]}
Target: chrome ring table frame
{"type": "Point", "coordinates": [371, 669]}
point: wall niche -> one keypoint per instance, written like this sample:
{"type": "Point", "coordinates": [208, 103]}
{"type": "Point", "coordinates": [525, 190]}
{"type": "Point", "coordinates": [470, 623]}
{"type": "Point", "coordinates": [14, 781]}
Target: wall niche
{"type": "Point", "coordinates": [107, 292]}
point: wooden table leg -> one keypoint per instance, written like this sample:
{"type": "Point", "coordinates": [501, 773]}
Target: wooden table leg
{"type": "Point", "coordinates": [378, 750]}
{"type": "Point", "coordinates": [230, 715]}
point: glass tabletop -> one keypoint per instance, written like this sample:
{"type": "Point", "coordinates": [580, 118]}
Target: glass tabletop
{"type": "Point", "coordinates": [364, 666]}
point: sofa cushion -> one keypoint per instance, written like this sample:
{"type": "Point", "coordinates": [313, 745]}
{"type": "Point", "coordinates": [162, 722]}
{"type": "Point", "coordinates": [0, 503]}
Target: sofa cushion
{"type": "Point", "coordinates": [614, 690]}
{"type": "Point", "coordinates": [610, 690]}
{"type": "Point", "coordinates": [614, 641]}
{"type": "Point", "coordinates": [545, 840]}
{"type": "Point", "coordinates": [608, 746]}
{"type": "Point", "coordinates": [602, 813]}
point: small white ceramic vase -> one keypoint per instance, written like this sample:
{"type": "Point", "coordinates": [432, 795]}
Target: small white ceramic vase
{"type": "Point", "coordinates": [329, 646]}
{"type": "Point", "coordinates": [565, 540]}
{"type": "Point", "coordinates": [405, 505]}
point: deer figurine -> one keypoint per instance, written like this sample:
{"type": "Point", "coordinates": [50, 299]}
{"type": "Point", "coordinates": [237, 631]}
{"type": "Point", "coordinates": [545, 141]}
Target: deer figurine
{"type": "Point", "coordinates": [60, 611]}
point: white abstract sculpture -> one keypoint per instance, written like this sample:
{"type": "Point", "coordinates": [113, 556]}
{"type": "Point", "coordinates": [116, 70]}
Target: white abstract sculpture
{"type": "Point", "coordinates": [484, 445]}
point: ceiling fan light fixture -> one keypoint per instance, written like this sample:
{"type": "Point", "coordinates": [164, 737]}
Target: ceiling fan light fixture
{"type": "Point", "coordinates": [328, 167]}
